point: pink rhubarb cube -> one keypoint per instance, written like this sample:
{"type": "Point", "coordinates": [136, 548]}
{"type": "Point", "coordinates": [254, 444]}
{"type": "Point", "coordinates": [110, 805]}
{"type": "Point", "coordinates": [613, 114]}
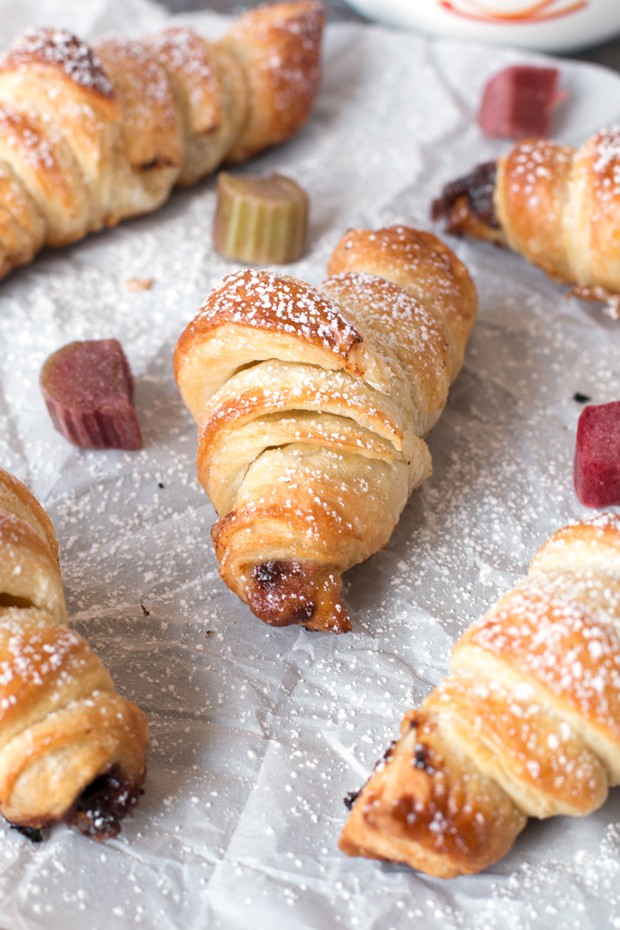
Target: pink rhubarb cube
{"type": "Point", "coordinates": [597, 455]}
{"type": "Point", "coordinates": [518, 102]}
{"type": "Point", "coordinates": [88, 389]}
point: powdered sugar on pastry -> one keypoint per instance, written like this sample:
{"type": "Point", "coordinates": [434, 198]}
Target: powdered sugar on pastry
{"type": "Point", "coordinates": [296, 510]}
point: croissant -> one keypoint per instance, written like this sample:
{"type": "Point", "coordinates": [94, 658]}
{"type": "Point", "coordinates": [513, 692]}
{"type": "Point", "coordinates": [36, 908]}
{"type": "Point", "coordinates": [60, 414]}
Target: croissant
{"type": "Point", "coordinates": [71, 749]}
{"type": "Point", "coordinates": [556, 205]}
{"type": "Point", "coordinates": [92, 135]}
{"type": "Point", "coordinates": [312, 405]}
{"type": "Point", "coordinates": [527, 723]}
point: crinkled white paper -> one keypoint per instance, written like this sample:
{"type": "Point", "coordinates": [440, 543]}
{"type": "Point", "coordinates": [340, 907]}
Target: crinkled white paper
{"type": "Point", "coordinates": [258, 733]}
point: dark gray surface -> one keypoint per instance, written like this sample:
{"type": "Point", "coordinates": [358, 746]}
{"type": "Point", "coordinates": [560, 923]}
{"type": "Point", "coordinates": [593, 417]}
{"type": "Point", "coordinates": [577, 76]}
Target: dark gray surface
{"type": "Point", "coordinates": [336, 9]}
{"type": "Point", "coordinates": [606, 54]}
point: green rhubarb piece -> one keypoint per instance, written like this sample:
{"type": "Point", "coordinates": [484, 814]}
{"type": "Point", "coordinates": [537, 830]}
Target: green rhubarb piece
{"type": "Point", "coordinates": [260, 220]}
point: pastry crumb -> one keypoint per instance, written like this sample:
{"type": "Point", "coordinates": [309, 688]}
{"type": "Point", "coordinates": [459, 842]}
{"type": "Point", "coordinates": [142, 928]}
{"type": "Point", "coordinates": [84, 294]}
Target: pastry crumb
{"type": "Point", "coordinates": [139, 284]}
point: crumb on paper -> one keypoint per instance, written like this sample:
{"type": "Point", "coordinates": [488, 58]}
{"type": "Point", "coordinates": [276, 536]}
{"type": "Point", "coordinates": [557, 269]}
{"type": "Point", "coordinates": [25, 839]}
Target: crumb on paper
{"type": "Point", "coordinates": [139, 284]}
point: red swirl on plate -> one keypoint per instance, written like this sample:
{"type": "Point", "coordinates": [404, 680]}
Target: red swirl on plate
{"type": "Point", "coordinates": [527, 12]}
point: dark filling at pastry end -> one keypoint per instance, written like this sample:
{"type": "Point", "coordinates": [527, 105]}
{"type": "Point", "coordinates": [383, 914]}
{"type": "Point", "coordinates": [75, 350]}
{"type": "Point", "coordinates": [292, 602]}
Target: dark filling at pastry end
{"type": "Point", "coordinates": [422, 758]}
{"type": "Point", "coordinates": [478, 189]}
{"type": "Point", "coordinates": [351, 796]}
{"type": "Point", "coordinates": [102, 805]}
{"type": "Point", "coordinates": [34, 834]}
{"type": "Point", "coordinates": [281, 593]}
{"type": "Point", "coordinates": [285, 591]}
{"type": "Point", "coordinates": [99, 809]}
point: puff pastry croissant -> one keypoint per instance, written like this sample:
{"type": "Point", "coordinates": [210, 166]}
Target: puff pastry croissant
{"type": "Point", "coordinates": [93, 135]}
{"type": "Point", "coordinates": [556, 205]}
{"type": "Point", "coordinates": [71, 749]}
{"type": "Point", "coordinates": [312, 405]}
{"type": "Point", "coordinates": [527, 724]}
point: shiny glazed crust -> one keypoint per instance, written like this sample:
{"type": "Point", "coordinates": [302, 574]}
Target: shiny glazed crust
{"type": "Point", "coordinates": [92, 135]}
{"type": "Point", "coordinates": [63, 729]}
{"type": "Point", "coordinates": [312, 405]}
{"type": "Point", "coordinates": [527, 723]}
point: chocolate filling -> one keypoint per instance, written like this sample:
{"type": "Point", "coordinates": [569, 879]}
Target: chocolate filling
{"type": "Point", "coordinates": [478, 188]}
{"type": "Point", "coordinates": [281, 593]}
{"type": "Point", "coordinates": [10, 600]}
{"type": "Point", "coordinates": [99, 809]}
{"type": "Point", "coordinates": [422, 758]}
{"type": "Point", "coordinates": [160, 161]}
{"type": "Point", "coordinates": [34, 834]}
{"type": "Point", "coordinates": [103, 804]}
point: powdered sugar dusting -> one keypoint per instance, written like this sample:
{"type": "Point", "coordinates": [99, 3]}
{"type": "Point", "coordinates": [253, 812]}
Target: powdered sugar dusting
{"type": "Point", "coordinates": [33, 655]}
{"type": "Point", "coordinates": [265, 299]}
{"type": "Point", "coordinates": [185, 50]}
{"type": "Point", "coordinates": [564, 633]}
{"type": "Point", "coordinates": [530, 164]}
{"type": "Point", "coordinates": [184, 53]}
{"type": "Point", "coordinates": [27, 138]}
{"type": "Point", "coordinates": [606, 165]}
{"type": "Point", "coordinates": [257, 734]}
{"type": "Point", "coordinates": [149, 95]}
{"type": "Point", "coordinates": [62, 49]}
{"type": "Point", "coordinates": [397, 318]}
{"type": "Point", "coordinates": [288, 62]}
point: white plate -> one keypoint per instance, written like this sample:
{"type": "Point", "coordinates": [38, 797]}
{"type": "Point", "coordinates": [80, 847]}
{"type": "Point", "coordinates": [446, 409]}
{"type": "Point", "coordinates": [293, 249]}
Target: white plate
{"type": "Point", "coordinates": [547, 25]}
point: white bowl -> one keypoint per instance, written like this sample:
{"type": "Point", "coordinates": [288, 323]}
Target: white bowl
{"type": "Point", "coordinates": [547, 25]}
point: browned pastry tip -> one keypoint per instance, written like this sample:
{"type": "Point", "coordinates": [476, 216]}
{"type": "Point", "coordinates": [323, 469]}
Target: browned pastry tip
{"type": "Point", "coordinates": [527, 723]}
{"type": "Point", "coordinates": [427, 806]}
{"type": "Point", "coordinates": [286, 592]}
{"type": "Point", "coordinates": [71, 749]}
{"type": "Point", "coordinates": [312, 405]}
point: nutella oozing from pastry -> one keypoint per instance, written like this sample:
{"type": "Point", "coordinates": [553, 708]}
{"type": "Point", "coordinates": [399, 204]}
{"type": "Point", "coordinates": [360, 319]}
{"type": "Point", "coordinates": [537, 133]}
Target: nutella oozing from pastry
{"type": "Point", "coordinates": [468, 203]}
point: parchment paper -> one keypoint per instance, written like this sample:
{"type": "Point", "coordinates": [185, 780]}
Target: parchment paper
{"type": "Point", "coordinates": [257, 733]}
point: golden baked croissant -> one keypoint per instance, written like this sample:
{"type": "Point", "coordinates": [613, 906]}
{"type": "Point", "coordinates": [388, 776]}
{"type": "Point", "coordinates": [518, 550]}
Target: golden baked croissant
{"type": "Point", "coordinates": [312, 404]}
{"type": "Point", "coordinates": [527, 724]}
{"type": "Point", "coordinates": [556, 205]}
{"type": "Point", "coordinates": [71, 749]}
{"type": "Point", "coordinates": [92, 135]}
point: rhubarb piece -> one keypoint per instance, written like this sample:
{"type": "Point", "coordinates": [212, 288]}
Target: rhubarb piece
{"type": "Point", "coordinates": [261, 220]}
{"type": "Point", "coordinates": [597, 455]}
{"type": "Point", "coordinates": [518, 102]}
{"type": "Point", "coordinates": [88, 389]}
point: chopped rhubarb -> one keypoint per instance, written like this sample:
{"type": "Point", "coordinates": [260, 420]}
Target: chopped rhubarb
{"type": "Point", "coordinates": [518, 102]}
{"type": "Point", "coordinates": [597, 455]}
{"type": "Point", "coordinates": [260, 220]}
{"type": "Point", "coordinates": [88, 389]}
